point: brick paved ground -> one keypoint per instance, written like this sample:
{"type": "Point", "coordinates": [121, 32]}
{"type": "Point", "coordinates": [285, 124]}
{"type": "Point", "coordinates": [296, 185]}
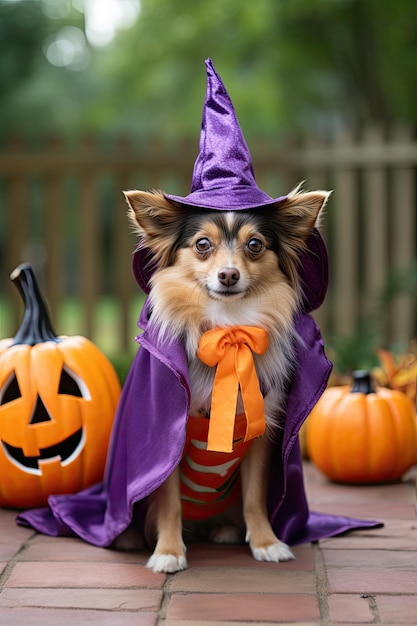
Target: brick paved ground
{"type": "Point", "coordinates": [367, 577]}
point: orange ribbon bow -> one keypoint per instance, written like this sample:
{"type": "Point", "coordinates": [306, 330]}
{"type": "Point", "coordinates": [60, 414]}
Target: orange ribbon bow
{"type": "Point", "coordinates": [231, 349]}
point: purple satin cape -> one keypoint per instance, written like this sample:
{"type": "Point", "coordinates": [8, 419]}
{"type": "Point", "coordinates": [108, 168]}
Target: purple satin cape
{"type": "Point", "coordinates": [149, 435]}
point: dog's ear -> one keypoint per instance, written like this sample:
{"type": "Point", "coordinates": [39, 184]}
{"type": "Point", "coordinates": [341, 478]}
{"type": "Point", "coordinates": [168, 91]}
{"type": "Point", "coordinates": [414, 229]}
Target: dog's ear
{"type": "Point", "coordinates": [295, 218]}
{"type": "Point", "coordinates": [300, 212]}
{"type": "Point", "coordinates": [155, 219]}
{"type": "Point", "coordinates": [150, 212]}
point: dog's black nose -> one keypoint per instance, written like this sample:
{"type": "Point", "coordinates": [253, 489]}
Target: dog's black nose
{"type": "Point", "coordinates": [228, 276]}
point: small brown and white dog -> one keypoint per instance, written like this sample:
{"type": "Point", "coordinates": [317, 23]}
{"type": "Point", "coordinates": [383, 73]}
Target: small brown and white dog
{"type": "Point", "coordinates": [219, 269]}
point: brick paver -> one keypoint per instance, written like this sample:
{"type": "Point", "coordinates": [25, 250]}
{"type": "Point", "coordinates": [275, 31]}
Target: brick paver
{"type": "Point", "coordinates": [70, 617]}
{"type": "Point", "coordinates": [82, 574]}
{"type": "Point", "coordinates": [244, 606]}
{"type": "Point", "coordinates": [364, 577]}
{"type": "Point", "coordinates": [355, 607]}
{"type": "Point", "coordinates": [241, 580]}
{"type": "Point", "coordinates": [107, 599]}
{"type": "Point", "coordinates": [397, 609]}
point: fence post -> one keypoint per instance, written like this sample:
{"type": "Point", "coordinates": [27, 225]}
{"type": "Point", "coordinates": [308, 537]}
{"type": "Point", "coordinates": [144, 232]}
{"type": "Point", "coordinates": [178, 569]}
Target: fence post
{"type": "Point", "coordinates": [90, 234]}
{"type": "Point", "coordinates": [375, 222]}
{"type": "Point", "coordinates": [17, 219]}
{"type": "Point", "coordinates": [345, 266]}
{"type": "Point", "coordinates": [123, 247]}
{"type": "Point", "coordinates": [403, 313]}
{"type": "Point", "coordinates": [54, 208]}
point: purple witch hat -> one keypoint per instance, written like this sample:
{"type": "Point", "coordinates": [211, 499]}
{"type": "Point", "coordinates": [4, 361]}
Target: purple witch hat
{"type": "Point", "coordinates": [223, 180]}
{"type": "Point", "coordinates": [223, 175]}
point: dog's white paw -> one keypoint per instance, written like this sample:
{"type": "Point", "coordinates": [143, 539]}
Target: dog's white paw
{"type": "Point", "coordinates": [168, 563]}
{"type": "Point", "coordinates": [226, 534]}
{"type": "Point", "coordinates": [274, 553]}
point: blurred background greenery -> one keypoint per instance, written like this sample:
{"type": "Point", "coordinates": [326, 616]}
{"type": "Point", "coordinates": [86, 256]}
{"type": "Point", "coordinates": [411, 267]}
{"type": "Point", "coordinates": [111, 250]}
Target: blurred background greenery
{"type": "Point", "coordinates": [114, 68]}
{"type": "Point", "coordinates": [136, 65]}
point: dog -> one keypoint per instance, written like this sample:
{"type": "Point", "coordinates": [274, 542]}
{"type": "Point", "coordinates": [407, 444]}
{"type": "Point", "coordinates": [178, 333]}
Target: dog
{"type": "Point", "coordinates": [220, 269]}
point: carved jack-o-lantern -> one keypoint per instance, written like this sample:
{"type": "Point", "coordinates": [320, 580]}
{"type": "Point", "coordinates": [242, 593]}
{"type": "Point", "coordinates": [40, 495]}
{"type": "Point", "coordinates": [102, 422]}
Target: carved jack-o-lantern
{"type": "Point", "coordinates": [58, 397]}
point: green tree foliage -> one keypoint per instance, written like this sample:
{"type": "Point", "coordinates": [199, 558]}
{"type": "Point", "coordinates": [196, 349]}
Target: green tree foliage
{"type": "Point", "coordinates": [35, 96]}
{"type": "Point", "coordinates": [22, 28]}
{"type": "Point", "coordinates": [288, 64]}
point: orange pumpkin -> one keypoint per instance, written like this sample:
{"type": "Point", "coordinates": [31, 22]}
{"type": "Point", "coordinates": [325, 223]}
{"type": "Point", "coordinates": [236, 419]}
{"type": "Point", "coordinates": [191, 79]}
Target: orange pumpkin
{"type": "Point", "coordinates": [362, 434]}
{"type": "Point", "coordinates": [58, 397]}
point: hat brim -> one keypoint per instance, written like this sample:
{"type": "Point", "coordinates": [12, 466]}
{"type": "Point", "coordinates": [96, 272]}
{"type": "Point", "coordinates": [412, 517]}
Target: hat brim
{"type": "Point", "coordinates": [227, 199]}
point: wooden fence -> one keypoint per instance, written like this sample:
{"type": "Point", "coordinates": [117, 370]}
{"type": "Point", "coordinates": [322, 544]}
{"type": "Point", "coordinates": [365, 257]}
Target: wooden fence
{"type": "Point", "coordinates": [62, 209]}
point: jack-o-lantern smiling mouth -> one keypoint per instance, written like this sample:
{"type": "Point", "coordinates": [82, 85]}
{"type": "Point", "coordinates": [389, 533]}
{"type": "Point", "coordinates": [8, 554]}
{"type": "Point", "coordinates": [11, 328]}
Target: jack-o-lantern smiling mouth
{"type": "Point", "coordinates": [66, 451]}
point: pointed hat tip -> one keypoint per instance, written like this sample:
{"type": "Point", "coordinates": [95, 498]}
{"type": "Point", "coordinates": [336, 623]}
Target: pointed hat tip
{"type": "Point", "coordinates": [210, 69]}
{"type": "Point", "coordinates": [223, 176]}
{"type": "Point", "coordinates": [214, 80]}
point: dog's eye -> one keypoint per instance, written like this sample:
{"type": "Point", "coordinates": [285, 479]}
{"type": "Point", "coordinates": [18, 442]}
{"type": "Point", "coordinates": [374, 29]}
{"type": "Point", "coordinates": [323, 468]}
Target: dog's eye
{"type": "Point", "coordinates": [203, 245]}
{"type": "Point", "coordinates": [255, 246]}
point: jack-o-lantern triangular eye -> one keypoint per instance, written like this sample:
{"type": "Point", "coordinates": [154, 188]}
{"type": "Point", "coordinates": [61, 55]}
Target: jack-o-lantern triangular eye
{"type": "Point", "coordinates": [10, 390]}
{"type": "Point", "coordinates": [72, 385]}
{"type": "Point", "coordinates": [40, 413]}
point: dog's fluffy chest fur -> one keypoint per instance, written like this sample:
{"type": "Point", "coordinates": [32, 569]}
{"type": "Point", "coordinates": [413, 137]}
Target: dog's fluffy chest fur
{"type": "Point", "coordinates": [274, 367]}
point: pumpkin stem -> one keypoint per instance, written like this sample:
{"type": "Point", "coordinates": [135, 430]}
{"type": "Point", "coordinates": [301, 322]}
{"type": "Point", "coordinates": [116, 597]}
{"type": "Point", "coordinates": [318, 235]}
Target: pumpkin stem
{"type": "Point", "coordinates": [362, 382]}
{"type": "Point", "coordinates": [36, 326]}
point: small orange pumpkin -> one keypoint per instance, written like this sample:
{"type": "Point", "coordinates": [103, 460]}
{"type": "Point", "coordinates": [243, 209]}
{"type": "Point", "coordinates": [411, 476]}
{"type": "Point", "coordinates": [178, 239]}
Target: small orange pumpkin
{"type": "Point", "coordinates": [58, 397]}
{"type": "Point", "coordinates": [362, 434]}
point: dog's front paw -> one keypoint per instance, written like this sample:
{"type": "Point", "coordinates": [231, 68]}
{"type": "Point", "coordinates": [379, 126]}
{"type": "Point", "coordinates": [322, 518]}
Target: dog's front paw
{"type": "Point", "coordinates": [273, 553]}
{"type": "Point", "coordinates": [168, 563]}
